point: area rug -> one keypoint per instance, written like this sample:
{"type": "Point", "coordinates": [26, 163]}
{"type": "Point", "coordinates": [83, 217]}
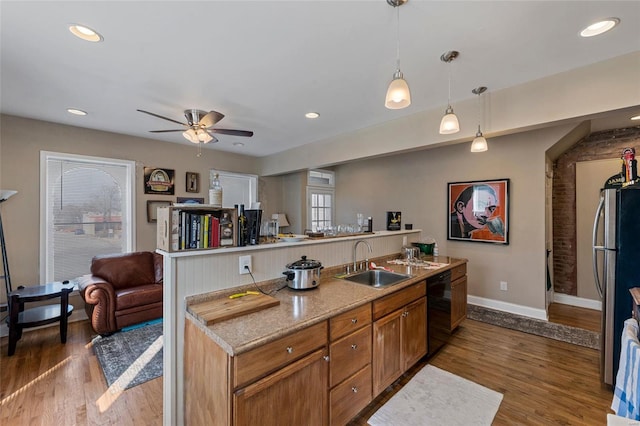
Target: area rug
{"type": "Point", "coordinates": [129, 358]}
{"type": "Point", "coordinates": [437, 397]}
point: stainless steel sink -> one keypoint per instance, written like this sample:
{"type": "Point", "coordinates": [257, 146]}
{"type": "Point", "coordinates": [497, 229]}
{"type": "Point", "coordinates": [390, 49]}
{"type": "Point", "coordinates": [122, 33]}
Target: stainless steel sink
{"type": "Point", "coordinates": [377, 278]}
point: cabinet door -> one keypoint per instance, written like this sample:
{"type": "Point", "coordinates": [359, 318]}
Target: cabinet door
{"type": "Point", "coordinates": [458, 302]}
{"type": "Point", "coordinates": [387, 360]}
{"type": "Point", "coordinates": [414, 332]}
{"type": "Point", "coordinates": [294, 395]}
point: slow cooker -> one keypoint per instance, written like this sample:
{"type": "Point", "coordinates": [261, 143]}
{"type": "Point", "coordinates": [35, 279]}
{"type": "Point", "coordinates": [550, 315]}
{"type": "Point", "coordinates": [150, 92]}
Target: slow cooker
{"type": "Point", "coordinates": [303, 274]}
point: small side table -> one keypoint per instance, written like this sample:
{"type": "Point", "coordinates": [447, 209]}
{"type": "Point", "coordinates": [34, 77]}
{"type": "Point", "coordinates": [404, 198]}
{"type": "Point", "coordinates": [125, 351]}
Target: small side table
{"type": "Point", "coordinates": [20, 318]}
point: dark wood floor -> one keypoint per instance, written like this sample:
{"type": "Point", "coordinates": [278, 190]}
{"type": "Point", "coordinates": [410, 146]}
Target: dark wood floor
{"type": "Point", "coordinates": [543, 381]}
{"type": "Point", "coordinates": [588, 319]}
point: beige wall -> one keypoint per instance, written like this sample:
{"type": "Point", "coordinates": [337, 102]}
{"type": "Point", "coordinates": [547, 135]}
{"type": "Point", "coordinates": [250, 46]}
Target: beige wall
{"type": "Point", "coordinates": [20, 145]}
{"type": "Point", "coordinates": [416, 184]}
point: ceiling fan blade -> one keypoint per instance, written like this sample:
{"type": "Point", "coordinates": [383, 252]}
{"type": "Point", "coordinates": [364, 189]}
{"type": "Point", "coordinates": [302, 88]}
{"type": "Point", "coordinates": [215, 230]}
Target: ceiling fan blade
{"type": "Point", "coordinates": [159, 116]}
{"type": "Point", "coordinates": [211, 118]}
{"type": "Point", "coordinates": [231, 132]}
{"type": "Point", "coordinates": [165, 131]}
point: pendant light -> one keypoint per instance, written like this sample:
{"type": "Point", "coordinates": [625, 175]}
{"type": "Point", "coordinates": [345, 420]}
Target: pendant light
{"type": "Point", "coordinates": [398, 94]}
{"type": "Point", "coordinates": [449, 123]}
{"type": "Point", "coordinates": [479, 144]}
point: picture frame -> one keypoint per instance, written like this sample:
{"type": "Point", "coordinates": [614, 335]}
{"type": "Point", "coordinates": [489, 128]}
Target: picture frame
{"type": "Point", "coordinates": [189, 200]}
{"type": "Point", "coordinates": [152, 209]}
{"type": "Point", "coordinates": [159, 181]}
{"type": "Point", "coordinates": [192, 182]}
{"type": "Point", "coordinates": [478, 211]}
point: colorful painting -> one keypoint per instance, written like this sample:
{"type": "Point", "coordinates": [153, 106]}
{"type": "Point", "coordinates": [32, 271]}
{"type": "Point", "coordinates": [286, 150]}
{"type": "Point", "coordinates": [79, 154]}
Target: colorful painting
{"type": "Point", "coordinates": [479, 211]}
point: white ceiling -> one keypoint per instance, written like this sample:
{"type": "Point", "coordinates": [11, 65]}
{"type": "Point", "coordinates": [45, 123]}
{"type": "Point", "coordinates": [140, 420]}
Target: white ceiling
{"type": "Point", "coordinates": [264, 64]}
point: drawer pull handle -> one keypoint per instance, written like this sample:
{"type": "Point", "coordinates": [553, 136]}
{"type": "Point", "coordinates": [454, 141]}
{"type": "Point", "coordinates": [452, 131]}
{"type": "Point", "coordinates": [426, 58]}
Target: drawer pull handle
{"type": "Point", "coordinates": [354, 346]}
{"type": "Point", "coordinates": [354, 320]}
{"type": "Point", "coordinates": [354, 389]}
{"type": "Point", "coordinates": [289, 350]}
{"type": "Point", "coordinates": [326, 358]}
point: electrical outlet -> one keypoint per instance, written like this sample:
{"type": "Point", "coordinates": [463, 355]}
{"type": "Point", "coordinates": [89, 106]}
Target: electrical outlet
{"type": "Point", "coordinates": [245, 261]}
{"type": "Point", "coordinates": [503, 285]}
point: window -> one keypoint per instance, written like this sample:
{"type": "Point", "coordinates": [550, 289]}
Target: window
{"type": "Point", "coordinates": [320, 199]}
{"type": "Point", "coordinates": [87, 209]}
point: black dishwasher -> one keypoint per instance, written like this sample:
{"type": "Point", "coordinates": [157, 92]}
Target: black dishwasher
{"type": "Point", "coordinates": [438, 311]}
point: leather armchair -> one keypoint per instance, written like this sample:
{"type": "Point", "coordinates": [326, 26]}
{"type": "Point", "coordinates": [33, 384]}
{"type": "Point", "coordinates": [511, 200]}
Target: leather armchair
{"type": "Point", "coordinates": [122, 290]}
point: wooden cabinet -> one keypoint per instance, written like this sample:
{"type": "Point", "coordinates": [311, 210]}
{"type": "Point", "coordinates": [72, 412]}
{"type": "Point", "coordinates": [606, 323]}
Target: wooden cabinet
{"type": "Point", "coordinates": [399, 334]}
{"type": "Point", "coordinates": [293, 395]}
{"type": "Point", "coordinates": [458, 295]}
{"type": "Point", "coordinates": [192, 227]}
{"type": "Point", "coordinates": [350, 364]}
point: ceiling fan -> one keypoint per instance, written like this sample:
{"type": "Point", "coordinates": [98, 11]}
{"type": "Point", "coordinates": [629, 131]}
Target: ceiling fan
{"type": "Point", "coordinates": [199, 126]}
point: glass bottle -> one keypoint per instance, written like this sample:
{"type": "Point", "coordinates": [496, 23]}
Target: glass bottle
{"type": "Point", "coordinates": [215, 192]}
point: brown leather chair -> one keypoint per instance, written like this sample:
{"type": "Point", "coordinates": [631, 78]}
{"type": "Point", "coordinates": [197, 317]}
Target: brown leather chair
{"type": "Point", "coordinates": [122, 290]}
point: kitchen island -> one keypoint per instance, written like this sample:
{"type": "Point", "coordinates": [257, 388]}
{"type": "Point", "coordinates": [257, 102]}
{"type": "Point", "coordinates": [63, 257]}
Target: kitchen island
{"type": "Point", "coordinates": [318, 357]}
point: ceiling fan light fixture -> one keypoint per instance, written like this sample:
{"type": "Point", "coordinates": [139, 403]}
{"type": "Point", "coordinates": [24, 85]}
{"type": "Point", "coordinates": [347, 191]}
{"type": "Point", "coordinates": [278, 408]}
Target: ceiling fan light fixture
{"type": "Point", "coordinates": [85, 33]}
{"type": "Point", "coordinates": [600, 27]}
{"type": "Point", "coordinates": [191, 136]}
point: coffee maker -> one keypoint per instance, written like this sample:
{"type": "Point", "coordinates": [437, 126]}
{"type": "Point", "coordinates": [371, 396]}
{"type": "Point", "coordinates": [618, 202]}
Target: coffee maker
{"type": "Point", "coordinates": [253, 220]}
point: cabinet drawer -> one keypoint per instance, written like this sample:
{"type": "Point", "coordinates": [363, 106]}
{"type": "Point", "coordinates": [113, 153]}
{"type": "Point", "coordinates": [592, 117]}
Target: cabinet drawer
{"type": "Point", "coordinates": [260, 361]}
{"type": "Point", "coordinates": [458, 272]}
{"type": "Point", "coordinates": [350, 397]}
{"type": "Point", "coordinates": [349, 322]}
{"type": "Point", "coordinates": [394, 301]}
{"type": "Point", "coordinates": [349, 355]}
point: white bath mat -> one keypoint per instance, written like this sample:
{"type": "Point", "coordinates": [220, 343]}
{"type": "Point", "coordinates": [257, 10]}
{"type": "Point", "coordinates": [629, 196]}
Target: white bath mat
{"type": "Point", "coordinates": [437, 397]}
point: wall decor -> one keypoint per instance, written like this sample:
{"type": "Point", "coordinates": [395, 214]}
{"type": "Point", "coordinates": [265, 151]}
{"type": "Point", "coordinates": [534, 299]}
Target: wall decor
{"type": "Point", "coordinates": [193, 182]}
{"type": "Point", "coordinates": [479, 211]}
{"type": "Point", "coordinates": [158, 181]}
{"type": "Point", "coordinates": [394, 221]}
{"type": "Point", "coordinates": [189, 200]}
{"type": "Point", "coordinates": [152, 209]}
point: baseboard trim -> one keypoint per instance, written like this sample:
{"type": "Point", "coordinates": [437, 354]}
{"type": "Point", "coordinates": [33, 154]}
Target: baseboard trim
{"type": "Point", "coordinates": [512, 308]}
{"type": "Point", "coordinates": [580, 302]}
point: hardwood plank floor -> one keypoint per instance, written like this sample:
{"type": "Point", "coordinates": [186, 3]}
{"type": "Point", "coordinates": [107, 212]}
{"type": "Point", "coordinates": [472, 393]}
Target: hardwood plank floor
{"type": "Point", "coordinates": [588, 319]}
{"type": "Point", "coordinates": [48, 383]}
{"type": "Point", "coordinates": [544, 381]}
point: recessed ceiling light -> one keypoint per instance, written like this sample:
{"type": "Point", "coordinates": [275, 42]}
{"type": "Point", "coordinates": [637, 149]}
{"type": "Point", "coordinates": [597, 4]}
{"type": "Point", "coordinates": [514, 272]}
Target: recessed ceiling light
{"type": "Point", "coordinates": [76, 111]}
{"type": "Point", "coordinates": [636, 117]}
{"type": "Point", "coordinates": [312, 115]}
{"type": "Point", "coordinates": [238, 144]}
{"type": "Point", "coordinates": [600, 27]}
{"type": "Point", "coordinates": [85, 33]}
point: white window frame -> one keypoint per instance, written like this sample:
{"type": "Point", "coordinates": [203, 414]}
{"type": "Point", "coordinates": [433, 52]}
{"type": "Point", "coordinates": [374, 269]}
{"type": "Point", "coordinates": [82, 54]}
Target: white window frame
{"type": "Point", "coordinates": [46, 262]}
{"type": "Point", "coordinates": [248, 195]}
{"type": "Point", "coordinates": [315, 186]}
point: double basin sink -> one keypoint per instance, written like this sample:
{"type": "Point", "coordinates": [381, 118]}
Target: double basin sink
{"type": "Point", "coordinates": [377, 278]}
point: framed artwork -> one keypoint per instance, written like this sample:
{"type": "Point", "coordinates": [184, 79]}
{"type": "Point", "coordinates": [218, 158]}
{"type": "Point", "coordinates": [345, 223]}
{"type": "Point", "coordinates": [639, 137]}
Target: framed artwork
{"type": "Point", "coordinates": [479, 211]}
{"type": "Point", "coordinates": [152, 209]}
{"type": "Point", "coordinates": [189, 200]}
{"type": "Point", "coordinates": [158, 181]}
{"type": "Point", "coordinates": [193, 182]}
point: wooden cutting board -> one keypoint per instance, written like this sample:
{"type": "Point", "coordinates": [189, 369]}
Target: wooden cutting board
{"type": "Point", "coordinates": [217, 310]}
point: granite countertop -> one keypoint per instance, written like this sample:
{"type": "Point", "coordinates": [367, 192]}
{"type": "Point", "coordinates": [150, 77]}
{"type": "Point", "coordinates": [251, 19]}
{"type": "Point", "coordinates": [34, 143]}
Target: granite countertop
{"type": "Point", "coordinates": [299, 309]}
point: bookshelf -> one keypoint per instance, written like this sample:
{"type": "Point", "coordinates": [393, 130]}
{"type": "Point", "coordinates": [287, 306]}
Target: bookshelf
{"type": "Point", "coordinates": [195, 227]}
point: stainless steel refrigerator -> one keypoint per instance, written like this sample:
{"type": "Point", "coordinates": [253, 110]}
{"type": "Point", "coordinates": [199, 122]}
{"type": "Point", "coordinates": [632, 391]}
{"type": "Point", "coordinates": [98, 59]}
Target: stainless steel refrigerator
{"type": "Point", "coordinates": [616, 268]}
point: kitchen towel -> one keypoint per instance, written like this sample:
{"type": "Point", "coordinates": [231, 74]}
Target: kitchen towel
{"type": "Point", "coordinates": [626, 395]}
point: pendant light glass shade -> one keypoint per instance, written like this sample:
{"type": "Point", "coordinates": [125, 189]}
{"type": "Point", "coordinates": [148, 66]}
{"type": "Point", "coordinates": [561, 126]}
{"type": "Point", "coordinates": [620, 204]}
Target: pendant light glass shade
{"type": "Point", "coordinates": [479, 144]}
{"type": "Point", "coordinates": [398, 94]}
{"type": "Point", "coordinates": [449, 123]}
{"type": "Point", "coordinates": [197, 136]}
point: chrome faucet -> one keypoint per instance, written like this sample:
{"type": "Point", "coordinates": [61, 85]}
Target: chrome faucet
{"type": "Point", "coordinates": [355, 247]}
